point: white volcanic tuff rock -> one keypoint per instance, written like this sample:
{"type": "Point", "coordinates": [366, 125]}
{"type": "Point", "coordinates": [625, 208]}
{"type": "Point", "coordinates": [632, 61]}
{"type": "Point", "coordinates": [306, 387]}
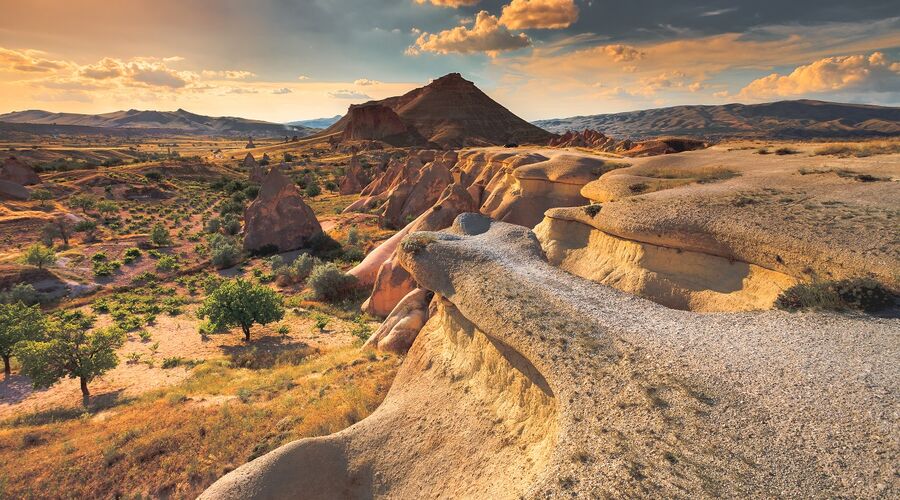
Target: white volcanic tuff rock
{"type": "Point", "coordinates": [592, 392]}
{"type": "Point", "coordinates": [279, 216]}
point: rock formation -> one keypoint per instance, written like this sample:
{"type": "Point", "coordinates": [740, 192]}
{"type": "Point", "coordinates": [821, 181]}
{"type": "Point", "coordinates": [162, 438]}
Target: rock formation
{"type": "Point", "coordinates": [392, 282]}
{"type": "Point", "coordinates": [279, 218]}
{"type": "Point", "coordinates": [257, 172]}
{"type": "Point", "coordinates": [15, 171]}
{"type": "Point", "coordinates": [686, 232]}
{"type": "Point", "coordinates": [13, 191]}
{"type": "Point", "coordinates": [250, 144]}
{"type": "Point", "coordinates": [355, 178]}
{"type": "Point", "coordinates": [590, 139]}
{"type": "Point", "coordinates": [403, 324]}
{"type": "Point", "coordinates": [528, 382]}
{"type": "Point", "coordinates": [449, 112]}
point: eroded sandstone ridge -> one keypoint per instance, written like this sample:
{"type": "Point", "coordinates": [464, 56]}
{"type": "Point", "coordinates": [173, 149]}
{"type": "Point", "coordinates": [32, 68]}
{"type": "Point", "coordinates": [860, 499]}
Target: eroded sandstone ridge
{"type": "Point", "coordinates": [531, 382]}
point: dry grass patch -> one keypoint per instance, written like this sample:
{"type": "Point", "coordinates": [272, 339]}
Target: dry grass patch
{"type": "Point", "coordinates": [176, 441]}
{"type": "Point", "coordinates": [860, 150]}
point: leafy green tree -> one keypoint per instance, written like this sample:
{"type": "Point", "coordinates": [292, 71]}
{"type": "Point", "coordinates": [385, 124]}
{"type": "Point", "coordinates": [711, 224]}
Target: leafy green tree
{"type": "Point", "coordinates": [223, 251]}
{"type": "Point", "coordinates": [59, 227]}
{"type": "Point", "coordinates": [70, 349]}
{"type": "Point", "coordinates": [107, 207]}
{"type": "Point", "coordinates": [159, 235]}
{"type": "Point", "coordinates": [313, 190]}
{"type": "Point", "coordinates": [39, 255]}
{"type": "Point", "coordinates": [18, 323]}
{"type": "Point", "coordinates": [83, 202]}
{"type": "Point", "coordinates": [242, 303]}
{"type": "Point", "coordinates": [42, 195]}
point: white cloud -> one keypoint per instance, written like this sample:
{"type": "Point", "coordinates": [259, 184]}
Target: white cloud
{"type": "Point", "coordinates": [539, 14]}
{"type": "Point", "coordinates": [282, 90]}
{"type": "Point", "coordinates": [303, 77]}
{"type": "Point", "coordinates": [872, 72]}
{"type": "Point", "coordinates": [365, 82]}
{"type": "Point", "coordinates": [486, 35]}
{"type": "Point", "coordinates": [347, 94]}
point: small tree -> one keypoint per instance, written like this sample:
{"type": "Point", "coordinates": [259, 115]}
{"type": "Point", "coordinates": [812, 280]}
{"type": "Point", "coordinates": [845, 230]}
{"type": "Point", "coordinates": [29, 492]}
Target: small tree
{"type": "Point", "coordinates": [159, 235]}
{"type": "Point", "coordinates": [42, 195]}
{"type": "Point", "coordinates": [107, 207]}
{"type": "Point", "coordinates": [313, 190]}
{"type": "Point", "coordinates": [223, 251]}
{"type": "Point", "coordinates": [83, 202]}
{"type": "Point", "coordinates": [59, 227]}
{"type": "Point", "coordinates": [71, 350]}
{"type": "Point", "coordinates": [242, 303]}
{"type": "Point", "coordinates": [18, 323]}
{"type": "Point", "coordinates": [39, 255]}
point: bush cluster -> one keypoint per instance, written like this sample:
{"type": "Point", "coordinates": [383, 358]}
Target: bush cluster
{"type": "Point", "coordinates": [861, 294]}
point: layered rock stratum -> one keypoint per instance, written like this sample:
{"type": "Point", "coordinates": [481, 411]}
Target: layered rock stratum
{"type": "Point", "coordinates": [530, 382]}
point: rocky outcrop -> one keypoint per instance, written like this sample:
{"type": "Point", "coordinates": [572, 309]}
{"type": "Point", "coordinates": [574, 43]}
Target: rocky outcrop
{"type": "Point", "coordinates": [449, 112]}
{"type": "Point", "coordinates": [392, 282]}
{"type": "Point", "coordinates": [355, 177]}
{"type": "Point", "coordinates": [590, 139]}
{"type": "Point", "coordinates": [15, 171]}
{"type": "Point", "coordinates": [398, 331]}
{"type": "Point", "coordinates": [278, 218]}
{"type": "Point", "coordinates": [13, 191]}
{"type": "Point", "coordinates": [528, 382]}
{"type": "Point", "coordinates": [256, 171]}
{"type": "Point", "coordinates": [686, 232]}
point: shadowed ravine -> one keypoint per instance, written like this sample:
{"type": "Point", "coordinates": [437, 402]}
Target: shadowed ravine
{"type": "Point", "coordinates": [529, 381]}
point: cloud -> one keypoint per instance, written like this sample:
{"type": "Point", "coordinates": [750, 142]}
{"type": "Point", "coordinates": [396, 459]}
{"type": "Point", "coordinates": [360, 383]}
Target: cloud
{"type": "Point", "coordinates": [486, 35]}
{"type": "Point", "coordinates": [449, 3]}
{"type": "Point", "coordinates": [717, 12]}
{"type": "Point", "coordinates": [104, 69]}
{"type": "Point", "coordinates": [282, 90]}
{"type": "Point", "coordinates": [303, 77]}
{"type": "Point", "coordinates": [347, 94]}
{"type": "Point", "coordinates": [539, 14]}
{"type": "Point", "coordinates": [364, 82]}
{"type": "Point", "coordinates": [622, 53]}
{"type": "Point", "coordinates": [29, 61]}
{"type": "Point", "coordinates": [831, 74]}
{"type": "Point", "coordinates": [228, 74]}
{"type": "Point", "coordinates": [241, 91]}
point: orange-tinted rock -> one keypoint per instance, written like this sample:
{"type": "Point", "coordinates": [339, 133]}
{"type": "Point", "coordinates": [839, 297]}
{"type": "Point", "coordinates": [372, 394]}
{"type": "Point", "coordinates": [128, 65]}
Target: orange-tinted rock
{"type": "Point", "coordinates": [355, 178]}
{"type": "Point", "coordinates": [403, 324]}
{"type": "Point", "coordinates": [449, 112]}
{"type": "Point", "coordinates": [16, 171]}
{"type": "Point", "coordinates": [279, 217]}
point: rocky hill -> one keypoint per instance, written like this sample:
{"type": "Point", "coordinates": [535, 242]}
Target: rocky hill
{"type": "Point", "coordinates": [180, 121]}
{"type": "Point", "coordinates": [803, 119]}
{"type": "Point", "coordinates": [449, 112]}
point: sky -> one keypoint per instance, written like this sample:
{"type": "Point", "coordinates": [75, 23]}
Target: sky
{"type": "Point", "coordinates": [285, 60]}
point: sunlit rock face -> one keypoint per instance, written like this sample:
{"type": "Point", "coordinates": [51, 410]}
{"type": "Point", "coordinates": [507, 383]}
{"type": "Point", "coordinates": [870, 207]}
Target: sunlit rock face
{"type": "Point", "coordinates": [279, 218]}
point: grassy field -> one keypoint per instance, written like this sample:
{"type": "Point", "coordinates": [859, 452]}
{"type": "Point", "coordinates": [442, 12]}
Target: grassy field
{"type": "Point", "coordinates": [176, 441]}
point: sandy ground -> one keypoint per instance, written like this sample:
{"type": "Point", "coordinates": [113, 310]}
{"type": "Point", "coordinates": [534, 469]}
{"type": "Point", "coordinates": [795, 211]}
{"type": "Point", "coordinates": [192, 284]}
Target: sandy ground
{"type": "Point", "coordinates": [177, 337]}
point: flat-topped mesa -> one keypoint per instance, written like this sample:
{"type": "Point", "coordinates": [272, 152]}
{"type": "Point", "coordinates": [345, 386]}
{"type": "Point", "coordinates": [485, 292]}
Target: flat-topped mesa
{"type": "Point", "coordinates": [539, 384]}
{"type": "Point", "coordinates": [278, 219]}
{"type": "Point", "coordinates": [449, 112]}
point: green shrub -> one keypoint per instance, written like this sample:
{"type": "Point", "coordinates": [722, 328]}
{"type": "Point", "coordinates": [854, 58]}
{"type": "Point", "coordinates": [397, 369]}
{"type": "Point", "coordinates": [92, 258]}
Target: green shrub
{"type": "Point", "coordinates": [416, 242]}
{"type": "Point", "coordinates": [223, 251]}
{"type": "Point", "coordinates": [167, 263]}
{"type": "Point", "coordinates": [330, 283]}
{"type": "Point", "coordinates": [862, 294]}
{"type": "Point", "coordinates": [21, 292]}
{"type": "Point", "coordinates": [159, 235]}
{"type": "Point", "coordinates": [131, 255]}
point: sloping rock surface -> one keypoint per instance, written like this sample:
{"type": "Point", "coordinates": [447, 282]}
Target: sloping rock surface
{"type": "Point", "coordinates": [279, 216]}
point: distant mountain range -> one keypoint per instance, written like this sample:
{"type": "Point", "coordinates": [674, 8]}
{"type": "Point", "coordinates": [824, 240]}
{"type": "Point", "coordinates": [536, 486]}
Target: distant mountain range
{"type": "Point", "coordinates": [317, 122]}
{"type": "Point", "coordinates": [802, 119]}
{"type": "Point", "coordinates": [179, 121]}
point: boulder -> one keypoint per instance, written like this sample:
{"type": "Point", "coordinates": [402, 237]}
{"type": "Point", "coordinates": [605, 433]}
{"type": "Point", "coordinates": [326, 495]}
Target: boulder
{"type": "Point", "coordinates": [12, 191]}
{"type": "Point", "coordinates": [279, 217]}
{"type": "Point", "coordinates": [14, 170]}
